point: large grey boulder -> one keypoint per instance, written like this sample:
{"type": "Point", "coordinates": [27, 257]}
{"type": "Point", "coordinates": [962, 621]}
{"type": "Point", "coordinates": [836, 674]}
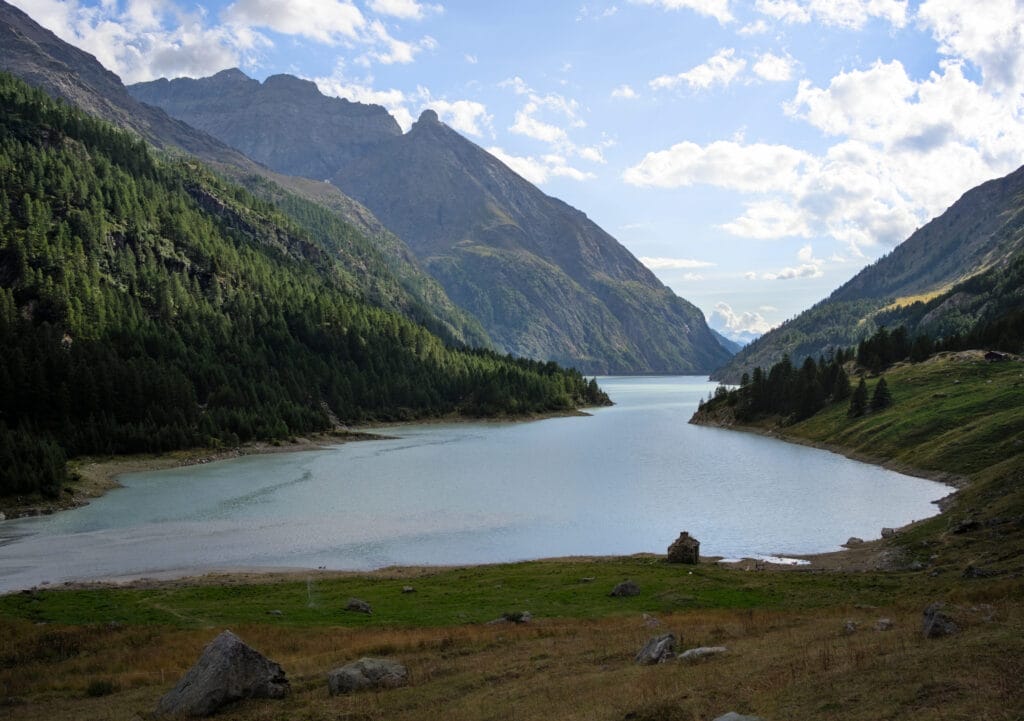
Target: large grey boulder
{"type": "Point", "coordinates": [228, 670]}
{"type": "Point", "coordinates": [624, 589]}
{"type": "Point", "coordinates": [657, 650]}
{"type": "Point", "coordinates": [359, 606]}
{"type": "Point", "coordinates": [367, 673]}
{"type": "Point", "coordinates": [685, 549]}
{"type": "Point", "coordinates": [936, 623]}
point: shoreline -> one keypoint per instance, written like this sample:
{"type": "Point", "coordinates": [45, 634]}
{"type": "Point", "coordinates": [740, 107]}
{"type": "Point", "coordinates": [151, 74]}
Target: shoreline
{"type": "Point", "coordinates": [93, 476]}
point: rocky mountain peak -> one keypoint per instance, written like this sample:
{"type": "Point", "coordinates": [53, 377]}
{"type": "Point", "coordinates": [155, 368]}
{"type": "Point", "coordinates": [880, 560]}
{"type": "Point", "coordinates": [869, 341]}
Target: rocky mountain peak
{"type": "Point", "coordinates": [428, 116]}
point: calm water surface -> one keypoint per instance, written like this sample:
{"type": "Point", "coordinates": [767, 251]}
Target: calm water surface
{"type": "Point", "coordinates": [625, 480]}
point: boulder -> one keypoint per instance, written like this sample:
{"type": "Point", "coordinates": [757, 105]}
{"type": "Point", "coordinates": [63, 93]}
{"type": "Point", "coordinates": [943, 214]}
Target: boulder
{"type": "Point", "coordinates": [883, 624]}
{"type": "Point", "coordinates": [853, 541]}
{"type": "Point", "coordinates": [850, 627]}
{"type": "Point", "coordinates": [888, 533]}
{"type": "Point", "coordinates": [367, 673]}
{"type": "Point", "coordinates": [512, 617]}
{"type": "Point", "coordinates": [696, 654]}
{"type": "Point", "coordinates": [936, 623]}
{"type": "Point", "coordinates": [358, 605]}
{"type": "Point", "coordinates": [408, 589]}
{"type": "Point", "coordinates": [228, 670]}
{"type": "Point", "coordinates": [626, 588]}
{"type": "Point", "coordinates": [685, 549]}
{"type": "Point", "coordinates": [657, 650]}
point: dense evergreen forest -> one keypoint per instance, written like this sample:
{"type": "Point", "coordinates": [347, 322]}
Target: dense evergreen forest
{"type": "Point", "coordinates": [147, 305]}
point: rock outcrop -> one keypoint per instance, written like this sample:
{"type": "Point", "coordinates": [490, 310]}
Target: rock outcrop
{"type": "Point", "coordinates": [657, 650]}
{"type": "Point", "coordinates": [367, 673]}
{"type": "Point", "coordinates": [624, 589]}
{"type": "Point", "coordinates": [227, 671]}
{"type": "Point", "coordinates": [936, 623]}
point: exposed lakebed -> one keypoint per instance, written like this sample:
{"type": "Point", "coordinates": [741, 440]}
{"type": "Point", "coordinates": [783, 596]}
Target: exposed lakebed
{"type": "Point", "coordinates": [625, 480]}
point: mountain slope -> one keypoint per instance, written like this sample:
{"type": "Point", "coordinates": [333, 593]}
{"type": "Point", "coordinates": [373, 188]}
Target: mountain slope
{"type": "Point", "coordinates": [979, 235]}
{"type": "Point", "coordinates": [147, 305]}
{"type": "Point", "coordinates": [543, 280]}
{"type": "Point", "coordinates": [380, 262]}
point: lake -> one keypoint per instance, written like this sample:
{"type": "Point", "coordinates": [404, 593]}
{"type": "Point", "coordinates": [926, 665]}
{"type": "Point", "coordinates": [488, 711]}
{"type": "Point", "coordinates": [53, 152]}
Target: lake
{"type": "Point", "coordinates": [623, 480]}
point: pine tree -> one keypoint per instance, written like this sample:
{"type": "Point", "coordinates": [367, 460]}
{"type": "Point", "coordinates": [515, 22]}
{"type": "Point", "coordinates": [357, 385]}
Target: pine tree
{"type": "Point", "coordinates": [881, 398]}
{"type": "Point", "coordinates": [859, 400]}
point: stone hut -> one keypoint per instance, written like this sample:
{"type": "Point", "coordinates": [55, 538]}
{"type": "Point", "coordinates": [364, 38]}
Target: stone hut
{"type": "Point", "coordinates": [685, 549]}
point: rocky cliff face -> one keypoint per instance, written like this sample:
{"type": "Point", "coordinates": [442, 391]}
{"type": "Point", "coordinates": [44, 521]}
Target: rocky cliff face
{"type": "Point", "coordinates": [261, 119]}
{"type": "Point", "coordinates": [542, 279]}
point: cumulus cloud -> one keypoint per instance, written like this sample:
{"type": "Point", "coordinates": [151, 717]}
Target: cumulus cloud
{"type": "Point", "coordinates": [624, 92]}
{"type": "Point", "coordinates": [674, 263]}
{"type": "Point", "coordinates": [326, 21]}
{"type": "Point", "coordinates": [404, 9]}
{"type": "Point", "coordinates": [466, 116]}
{"type": "Point", "coordinates": [903, 148]}
{"type": "Point", "coordinates": [852, 14]}
{"type": "Point", "coordinates": [549, 118]}
{"type": "Point", "coordinates": [718, 9]}
{"type": "Point", "coordinates": [735, 325]}
{"type": "Point", "coordinates": [804, 270]}
{"type": "Point", "coordinates": [720, 69]}
{"type": "Point", "coordinates": [539, 170]}
{"type": "Point", "coordinates": [774, 68]}
{"type": "Point", "coordinates": [750, 168]}
{"type": "Point", "coordinates": [988, 34]}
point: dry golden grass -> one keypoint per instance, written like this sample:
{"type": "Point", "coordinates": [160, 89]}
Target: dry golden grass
{"type": "Point", "coordinates": [781, 665]}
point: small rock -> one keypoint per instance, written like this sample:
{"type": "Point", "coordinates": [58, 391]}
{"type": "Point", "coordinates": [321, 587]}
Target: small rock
{"type": "Point", "coordinates": [888, 533]}
{"type": "Point", "coordinates": [626, 588]}
{"type": "Point", "coordinates": [2, 516]}
{"type": "Point", "coordinates": [227, 671]}
{"type": "Point", "coordinates": [513, 617]}
{"type": "Point", "coordinates": [883, 624]}
{"type": "Point", "coordinates": [685, 549]}
{"type": "Point", "coordinates": [650, 621]}
{"type": "Point", "coordinates": [695, 654]}
{"type": "Point", "coordinates": [936, 623]}
{"type": "Point", "coordinates": [915, 566]}
{"type": "Point", "coordinates": [849, 627]}
{"type": "Point", "coordinates": [275, 612]}
{"type": "Point", "coordinates": [408, 589]}
{"type": "Point", "coordinates": [367, 673]}
{"type": "Point", "coordinates": [358, 605]}
{"type": "Point", "coordinates": [657, 650]}
{"type": "Point", "coordinates": [733, 716]}
{"type": "Point", "coordinates": [587, 579]}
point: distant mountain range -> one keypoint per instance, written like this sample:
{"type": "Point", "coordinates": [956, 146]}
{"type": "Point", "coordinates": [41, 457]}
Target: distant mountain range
{"type": "Point", "coordinates": [542, 279]}
{"type": "Point", "coordinates": [951, 274]}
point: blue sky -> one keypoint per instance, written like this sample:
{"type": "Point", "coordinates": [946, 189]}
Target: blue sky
{"type": "Point", "coordinates": [754, 154]}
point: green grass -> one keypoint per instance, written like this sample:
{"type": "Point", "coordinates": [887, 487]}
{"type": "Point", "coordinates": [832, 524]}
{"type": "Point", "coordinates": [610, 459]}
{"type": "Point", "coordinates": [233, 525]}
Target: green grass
{"type": "Point", "coordinates": [445, 597]}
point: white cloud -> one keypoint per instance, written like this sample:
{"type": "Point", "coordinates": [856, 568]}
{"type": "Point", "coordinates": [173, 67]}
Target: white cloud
{"type": "Point", "coordinates": [560, 116]}
{"type": "Point", "coordinates": [750, 275]}
{"type": "Point", "coordinates": [518, 85]}
{"type": "Point", "coordinates": [394, 101]}
{"type": "Point", "coordinates": [804, 270]}
{"type": "Point", "coordinates": [674, 263]}
{"type": "Point", "coordinates": [404, 9]}
{"type": "Point", "coordinates": [774, 68]}
{"type": "Point", "coordinates": [760, 27]}
{"type": "Point", "coordinates": [988, 33]}
{"type": "Point", "coordinates": [326, 21]}
{"type": "Point", "coordinates": [769, 219]}
{"type": "Point", "coordinates": [539, 170]}
{"type": "Point", "coordinates": [466, 116]}
{"type": "Point", "coordinates": [720, 69]}
{"type": "Point", "coordinates": [471, 59]}
{"type": "Point", "coordinates": [624, 92]}
{"type": "Point", "coordinates": [852, 14]}
{"type": "Point", "coordinates": [724, 318]}
{"type": "Point", "coordinates": [718, 9]}
{"type": "Point", "coordinates": [727, 164]}
{"type": "Point", "coordinates": [693, 277]}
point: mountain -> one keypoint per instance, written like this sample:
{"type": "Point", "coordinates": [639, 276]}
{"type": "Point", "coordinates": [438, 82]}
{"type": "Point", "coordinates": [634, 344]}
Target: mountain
{"type": "Point", "coordinates": [730, 345]}
{"type": "Point", "coordinates": [944, 279]}
{"type": "Point", "coordinates": [542, 279]}
{"type": "Point", "coordinates": [381, 266]}
{"type": "Point", "coordinates": [147, 304]}
{"type": "Point", "coordinates": [261, 119]}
